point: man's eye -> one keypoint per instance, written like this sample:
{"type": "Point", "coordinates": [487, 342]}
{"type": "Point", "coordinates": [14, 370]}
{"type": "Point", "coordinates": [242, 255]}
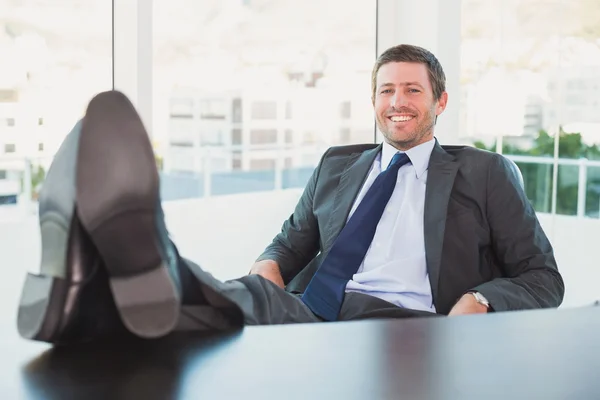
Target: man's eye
{"type": "Point", "coordinates": [386, 91]}
{"type": "Point", "coordinates": [414, 90]}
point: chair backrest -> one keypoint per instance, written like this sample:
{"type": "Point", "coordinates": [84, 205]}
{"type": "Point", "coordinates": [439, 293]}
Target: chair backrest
{"type": "Point", "coordinates": [517, 172]}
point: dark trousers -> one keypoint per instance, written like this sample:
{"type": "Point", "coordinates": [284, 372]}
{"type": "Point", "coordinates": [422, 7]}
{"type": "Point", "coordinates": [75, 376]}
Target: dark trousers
{"type": "Point", "coordinates": [210, 303]}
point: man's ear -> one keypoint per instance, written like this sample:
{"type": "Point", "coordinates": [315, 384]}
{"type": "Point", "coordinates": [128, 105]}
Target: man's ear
{"type": "Point", "coordinates": [441, 103]}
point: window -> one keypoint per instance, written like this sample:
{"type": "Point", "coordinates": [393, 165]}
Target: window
{"type": "Point", "coordinates": [182, 108]}
{"type": "Point", "coordinates": [289, 136]}
{"type": "Point", "coordinates": [9, 122]}
{"type": "Point", "coordinates": [499, 73]}
{"type": "Point", "coordinates": [176, 116]}
{"type": "Point", "coordinates": [289, 162]}
{"type": "Point", "coordinates": [345, 135]}
{"type": "Point", "coordinates": [213, 109]}
{"type": "Point", "coordinates": [8, 199]}
{"type": "Point", "coordinates": [528, 68]}
{"type": "Point", "coordinates": [236, 136]}
{"type": "Point", "coordinates": [236, 110]}
{"type": "Point", "coordinates": [345, 110]}
{"type": "Point", "coordinates": [182, 144]}
{"type": "Point", "coordinates": [310, 137]}
{"type": "Point", "coordinates": [253, 68]}
{"type": "Point", "coordinates": [263, 136]}
{"type": "Point", "coordinates": [264, 110]}
{"type": "Point", "coordinates": [236, 160]}
{"type": "Point", "coordinates": [9, 96]}
{"type": "Point", "coordinates": [55, 56]}
{"type": "Point", "coordinates": [265, 164]}
{"type": "Point", "coordinates": [212, 137]}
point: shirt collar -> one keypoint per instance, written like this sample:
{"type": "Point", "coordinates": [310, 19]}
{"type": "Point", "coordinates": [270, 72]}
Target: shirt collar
{"type": "Point", "coordinates": [419, 156]}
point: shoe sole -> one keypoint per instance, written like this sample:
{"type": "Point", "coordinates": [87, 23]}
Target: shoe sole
{"type": "Point", "coordinates": [49, 309]}
{"type": "Point", "coordinates": [117, 198]}
{"type": "Point", "coordinates": [41, 306]}
{"type": "Point", "coordinates": [50, 306]}
{"type": "Point", "coordinates": [46, 303]}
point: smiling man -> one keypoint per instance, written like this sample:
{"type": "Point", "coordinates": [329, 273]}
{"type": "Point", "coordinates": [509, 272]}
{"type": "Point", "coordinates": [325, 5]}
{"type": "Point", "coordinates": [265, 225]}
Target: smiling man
{"type": "Point", "coordinates": [457, 234]}
{"type": "Point", "coordinates": [405, 228]}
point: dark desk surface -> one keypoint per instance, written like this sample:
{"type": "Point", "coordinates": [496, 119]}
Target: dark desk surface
{"type": "Point", "coordinates": [526, 355]}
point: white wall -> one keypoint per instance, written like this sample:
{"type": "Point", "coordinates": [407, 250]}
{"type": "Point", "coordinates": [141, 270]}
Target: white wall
{"type": "Point", "coordinates": [575, 242]}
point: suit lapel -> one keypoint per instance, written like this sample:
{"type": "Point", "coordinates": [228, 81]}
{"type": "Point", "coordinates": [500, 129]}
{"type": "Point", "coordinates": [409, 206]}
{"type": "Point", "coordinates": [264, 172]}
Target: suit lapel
{"type": "Point", "coordinates": [353, 177]}
{"type": "Point", "coordinates": [440, 180]}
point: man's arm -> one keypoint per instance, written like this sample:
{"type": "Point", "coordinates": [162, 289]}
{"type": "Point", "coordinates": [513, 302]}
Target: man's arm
{"type": "Point", "coordinates": [270, 270]}
{"type": "Point", "coordinates": [297, 243]}
{"type": "Point", "coordinates": [521, 246]}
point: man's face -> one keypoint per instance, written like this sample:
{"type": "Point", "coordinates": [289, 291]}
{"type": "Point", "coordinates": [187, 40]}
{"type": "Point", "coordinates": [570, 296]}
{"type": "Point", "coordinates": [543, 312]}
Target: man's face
{"type": "Point", "coordinates": [404, 104]}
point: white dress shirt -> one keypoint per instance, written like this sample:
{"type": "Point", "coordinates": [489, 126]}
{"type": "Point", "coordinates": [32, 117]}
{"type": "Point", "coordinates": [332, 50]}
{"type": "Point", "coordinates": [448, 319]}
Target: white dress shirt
{"type": "Point", "coordinates": [394, 268]}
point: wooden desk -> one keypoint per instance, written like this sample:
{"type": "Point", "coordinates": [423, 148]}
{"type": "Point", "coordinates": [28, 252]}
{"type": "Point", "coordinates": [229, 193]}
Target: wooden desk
{"type": "Point", "coordinates": [546, 355]}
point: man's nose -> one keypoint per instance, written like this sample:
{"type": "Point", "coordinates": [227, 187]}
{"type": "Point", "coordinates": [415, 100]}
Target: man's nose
{"type": "Point", "coordinates": [398, 100]}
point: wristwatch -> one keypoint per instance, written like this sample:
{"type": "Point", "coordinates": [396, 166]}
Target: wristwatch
{"type": "Point", "coordinates": [481, 299]}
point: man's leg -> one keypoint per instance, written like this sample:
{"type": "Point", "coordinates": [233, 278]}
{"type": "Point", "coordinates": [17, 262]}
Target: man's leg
{"type": "Point", "coordinates": [250, 300]}
{"type": "Point", "coordinates": [362, 306]}
{"type": "Point", "coordinates": [106, 254]}
{"type": "Point", "coordinates": [119, 206]}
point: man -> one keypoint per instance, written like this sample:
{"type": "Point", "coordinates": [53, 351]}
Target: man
{"type": "Point", "coordinates": [403, 229]}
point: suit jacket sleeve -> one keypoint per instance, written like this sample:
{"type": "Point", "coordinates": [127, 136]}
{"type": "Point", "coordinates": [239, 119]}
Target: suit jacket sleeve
{"type": "Point", "coordinates": [531, 277]}
{"type": "Point", "coordinates": [298, 242]}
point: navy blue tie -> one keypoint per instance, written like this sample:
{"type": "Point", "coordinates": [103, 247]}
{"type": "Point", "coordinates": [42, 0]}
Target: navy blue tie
{"type": "Point", "coordinates": [325, 292]}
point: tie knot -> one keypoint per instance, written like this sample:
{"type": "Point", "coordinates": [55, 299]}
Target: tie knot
{"type": "Point", "coordinates": [399, 160]}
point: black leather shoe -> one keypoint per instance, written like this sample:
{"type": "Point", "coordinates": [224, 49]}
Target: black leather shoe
{"type": "Point", "coordinates": [118, 203]}
{"type": "Point", "coordinates": [69, 301]}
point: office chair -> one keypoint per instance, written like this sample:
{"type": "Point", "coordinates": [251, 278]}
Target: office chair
{"type": "Point", "coordinates": [517, 171]}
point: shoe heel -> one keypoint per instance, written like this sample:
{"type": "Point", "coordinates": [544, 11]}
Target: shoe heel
{"type": "Point", "coordinates": [118, 200]}
{"type": "Point", "coordinates": [144, 290]}
{"type": "Point", "coordinates": [41, 307]}
{"type": "Point", "coordinates": [148, 303]}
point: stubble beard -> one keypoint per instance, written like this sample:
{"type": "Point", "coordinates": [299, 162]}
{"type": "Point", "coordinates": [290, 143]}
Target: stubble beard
{"type": "Point", "coordinates": [419, 135]}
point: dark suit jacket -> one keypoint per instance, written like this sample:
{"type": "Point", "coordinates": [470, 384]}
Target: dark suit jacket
{"type": "Point", "coordinates": [481, 232]}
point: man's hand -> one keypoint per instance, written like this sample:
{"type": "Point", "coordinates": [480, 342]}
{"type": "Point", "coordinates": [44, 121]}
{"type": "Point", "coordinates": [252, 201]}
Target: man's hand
{"type": "Point", "coordinates": [268, 269]}
{"type": "Point", "coordinates": [468, 305]}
